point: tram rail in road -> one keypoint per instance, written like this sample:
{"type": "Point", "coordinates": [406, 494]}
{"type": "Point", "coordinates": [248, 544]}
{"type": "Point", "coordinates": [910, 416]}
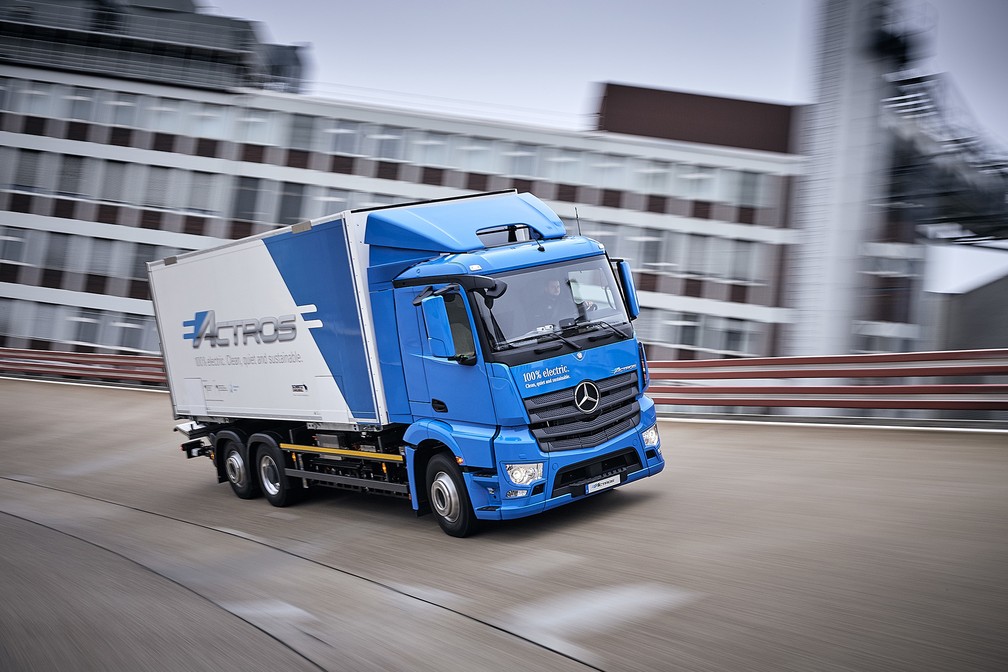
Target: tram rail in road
{"type": "Point", "coordinates": [761, 547]}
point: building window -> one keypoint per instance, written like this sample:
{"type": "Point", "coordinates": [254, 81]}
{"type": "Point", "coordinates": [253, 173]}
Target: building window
{"type": "Point", "coordinates": [113, 183]}
{"type": "Point", "coordinates": [563, 166]}
{"type": "Point", "coordinates": [607, 171]}
{"type": "Point", "coordinates": [689, 329]}
{"type": "Point", "coordinates": [719, 257]}
{"type": "Point", "coordinates": [387, 143]}
{"type": "Point", "coordinates": [736, 336]}
{"type": "Point", "coordinates": [647, 325]}
{"type": "Point", "coordinates": [246, 195]}
{"type": "Point", "coordinates": [142, 254]}
{"type": "Point", "coordinates": [607, 234]}
{"type": "Point", "coordinates": [696, 255]}
{"type": "Point", "coordinates": [156, 195]}
{"type": "Point", "coordinates": [124, 109]}
{"type": "Point", "coordinates": [12, 244]}
{"type": "Point", "coordinates": [100, 262]}
{"type": "Point", "coordinates": [82, 104]}
{"type": "Point", "coordinates": [164, 115]}
{"type": "Point", "coordinates": [70, 176]}
{"type": "Point", "coordinates": [208, 121]}
{"type": "Point", "coordinates": [26, 174]}
{"type": "Point", "coordinates": [291, 199]}
{"type": "Point", "coordinates": [474, 155]}
{"type": "Point", "coordinates": [131, 331]}
{"type": "Point", "coordinates": [86, 326]}
{"type": "Point", "coordinates": [428, 148]}
{"type": "Point", "coordinates": [56, 250]}
{"type": "Point", "coordinates": [695, 182]}
{"type": "Point", "coordinates": [254, 127]}
{"type": "Point", "coordinates": [45, 325]}
{"type": "Point", "coordinates": [6, 317]}
{"type": "Point", "coordinates": [5, 85]}
{"type": "Point", "coordinates": [335, 200]}
{"type": "Point", "coordinates": [35, 99]}
{"type": "Point", "coordinates": [521, 160]}
{"type": "Point", "coordinates": [346, 137]}
{"type": "Point", "coordinates": [201, 190]}
{"type": "Point", "coordinates": [301, 132]}
{"type": "Point", "coordinates": [651, 177]}
{"type": "Point", "coordinates": [749, 189]}
{"type": "Point", "coordinates": [742, 261]}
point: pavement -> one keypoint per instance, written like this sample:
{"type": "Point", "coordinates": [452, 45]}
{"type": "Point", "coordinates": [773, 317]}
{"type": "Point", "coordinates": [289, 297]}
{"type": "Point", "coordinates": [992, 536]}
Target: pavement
{"type": "Point", "coordinates": [760, 547]}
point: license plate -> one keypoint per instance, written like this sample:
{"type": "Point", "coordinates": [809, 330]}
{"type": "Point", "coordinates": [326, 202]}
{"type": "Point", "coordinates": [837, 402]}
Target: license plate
{"type": "Point", "coordinates": [602, 485]}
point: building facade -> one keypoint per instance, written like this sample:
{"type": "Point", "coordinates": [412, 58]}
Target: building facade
{"type": "Point", "coordinates": [131, 131]}
{"type": "Point", "coordinates": [103, 172]}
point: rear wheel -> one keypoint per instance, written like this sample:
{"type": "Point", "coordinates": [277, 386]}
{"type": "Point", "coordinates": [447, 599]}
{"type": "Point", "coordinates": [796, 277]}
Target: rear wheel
{"type": "Point", "coordinates": [279, 489]}
{"type": "Point", "coordinates": [241, 479]}
{"type": "Point", "coordinates": [449, 498]}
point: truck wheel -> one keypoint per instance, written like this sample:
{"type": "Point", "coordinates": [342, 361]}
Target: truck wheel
{"type": "Point", "coordinates": [449, 498]}
{"type": "Point", "coordinates": [242, 480]}
{"type": "Point", "coordinates": [279, 489]}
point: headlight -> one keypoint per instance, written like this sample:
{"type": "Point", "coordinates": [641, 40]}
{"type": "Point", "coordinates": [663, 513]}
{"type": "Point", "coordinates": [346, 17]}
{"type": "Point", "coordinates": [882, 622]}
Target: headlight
{"type": "Point", "coordinates": [523, 474]}
{"type": "Point", "coordinates": [650, 437]}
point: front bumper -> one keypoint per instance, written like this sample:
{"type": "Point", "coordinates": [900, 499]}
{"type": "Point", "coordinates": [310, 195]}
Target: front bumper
{"type": "Point", "coordinates": [567, 476]}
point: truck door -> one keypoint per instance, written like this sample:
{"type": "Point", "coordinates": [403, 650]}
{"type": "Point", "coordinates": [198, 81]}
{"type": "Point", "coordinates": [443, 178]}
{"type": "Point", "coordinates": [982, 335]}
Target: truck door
{"type": "Point", "coordinates": [458, 386]}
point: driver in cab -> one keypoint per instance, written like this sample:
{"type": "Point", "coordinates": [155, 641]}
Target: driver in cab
{"type": "Point", "coordinates": [557, 303]}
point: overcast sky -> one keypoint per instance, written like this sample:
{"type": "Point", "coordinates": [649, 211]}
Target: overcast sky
{"type": "Point", "coordinates": [540, 61]}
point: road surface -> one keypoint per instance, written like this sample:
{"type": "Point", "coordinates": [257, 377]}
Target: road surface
{"type": "Point", "coordinates": [759, 548]}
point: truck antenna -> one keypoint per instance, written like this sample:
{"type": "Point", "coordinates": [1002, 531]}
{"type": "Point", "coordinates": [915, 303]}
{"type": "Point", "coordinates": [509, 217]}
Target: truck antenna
{"type": "Point", "coordinates": [577, 219]}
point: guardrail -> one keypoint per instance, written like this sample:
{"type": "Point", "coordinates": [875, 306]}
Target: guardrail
{"type": "Point", "coordinates": [828, 382]}
{"type": "Point", "coordinates": [783, 382]}
{"type": "Point", "coordinates": [50, 364]}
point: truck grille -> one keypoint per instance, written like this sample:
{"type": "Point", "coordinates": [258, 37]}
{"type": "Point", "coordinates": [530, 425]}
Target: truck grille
{"type": "Point", "coordinates": [557, 424]}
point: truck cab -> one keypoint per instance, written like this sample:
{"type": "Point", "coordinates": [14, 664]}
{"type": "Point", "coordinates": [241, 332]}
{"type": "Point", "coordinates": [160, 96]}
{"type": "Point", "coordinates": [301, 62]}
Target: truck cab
{"type": "Point", "coordinates": [517, 353]}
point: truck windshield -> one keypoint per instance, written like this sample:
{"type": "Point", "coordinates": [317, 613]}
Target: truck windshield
{"type": "Point", "coordinates": [547, 302]}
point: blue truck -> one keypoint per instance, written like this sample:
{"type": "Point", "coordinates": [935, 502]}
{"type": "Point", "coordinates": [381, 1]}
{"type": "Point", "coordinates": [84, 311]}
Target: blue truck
{"type": "Point", "coordinates": [466, 354]}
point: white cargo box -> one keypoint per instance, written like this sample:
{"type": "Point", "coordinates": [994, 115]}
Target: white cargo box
{"type": "Point", "coordinates": [273, 326]}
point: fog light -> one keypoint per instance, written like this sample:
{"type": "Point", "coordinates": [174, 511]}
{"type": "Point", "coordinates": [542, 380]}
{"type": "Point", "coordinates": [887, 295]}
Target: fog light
{"type": "Point", "coordinates": [511, 494]}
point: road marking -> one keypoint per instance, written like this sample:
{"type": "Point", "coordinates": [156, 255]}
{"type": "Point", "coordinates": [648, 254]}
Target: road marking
{"type": "Point", "coordinates": [552, 621]}
{"type": "Point", "coordinates": [284, 611]}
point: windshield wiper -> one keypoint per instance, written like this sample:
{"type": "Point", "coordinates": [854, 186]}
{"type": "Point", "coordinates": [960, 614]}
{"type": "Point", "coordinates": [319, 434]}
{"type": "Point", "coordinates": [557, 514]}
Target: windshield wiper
{"type": "Point", "coordinates": [555, 336]}
{"type": "Point", "coordinates": [602, 323]}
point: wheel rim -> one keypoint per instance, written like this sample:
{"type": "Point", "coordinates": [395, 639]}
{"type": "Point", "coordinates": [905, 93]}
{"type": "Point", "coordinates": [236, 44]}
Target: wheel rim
{"type": "Point", "coordinates": [270, 475]}
{"type": "Point", "coordinates": [235, 467]}
{"type": "Point", "coordinates": [445, 497]}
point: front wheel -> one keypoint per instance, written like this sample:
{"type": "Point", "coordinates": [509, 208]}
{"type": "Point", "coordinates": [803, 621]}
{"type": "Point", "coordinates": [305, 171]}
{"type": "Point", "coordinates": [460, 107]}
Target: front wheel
{"type": "Point", "coordinates": [449, 498]}
{"type": "Point", "coordinates": [279, 489]}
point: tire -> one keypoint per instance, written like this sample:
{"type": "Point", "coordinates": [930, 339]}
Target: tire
{"type": "Point", "coordinates": [449, 499]}
{"type": "Point", "coordinates": [278, 488]}
{"type": "Point", "coordinates": [236, 468]}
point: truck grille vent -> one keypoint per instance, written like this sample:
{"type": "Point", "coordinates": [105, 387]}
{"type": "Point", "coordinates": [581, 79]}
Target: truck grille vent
{"type": "Point", "coordinates": [557, 424]}
{"type": "Point", "coordinates": [571, 480]}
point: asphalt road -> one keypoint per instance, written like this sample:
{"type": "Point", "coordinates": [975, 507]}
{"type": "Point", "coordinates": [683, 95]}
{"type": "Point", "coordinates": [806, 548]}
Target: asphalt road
{"type": "Point", "coordinates": [759, 548]}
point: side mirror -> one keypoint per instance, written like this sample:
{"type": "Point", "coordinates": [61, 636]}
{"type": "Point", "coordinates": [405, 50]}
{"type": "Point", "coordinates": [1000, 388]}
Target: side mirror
{"type": "Point", "coordinates": [439, 334]}
{"type": "Point", "coordinates": [629, 291]}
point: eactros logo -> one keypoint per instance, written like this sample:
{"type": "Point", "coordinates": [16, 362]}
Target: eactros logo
{"type": "Point", "coordinates": [205, 327]}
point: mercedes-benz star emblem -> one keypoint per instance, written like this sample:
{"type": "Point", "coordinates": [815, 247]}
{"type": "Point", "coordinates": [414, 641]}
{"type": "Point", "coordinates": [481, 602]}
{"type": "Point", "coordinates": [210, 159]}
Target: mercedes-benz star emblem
{"type": "Point", "coordinates": [587, 396]}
